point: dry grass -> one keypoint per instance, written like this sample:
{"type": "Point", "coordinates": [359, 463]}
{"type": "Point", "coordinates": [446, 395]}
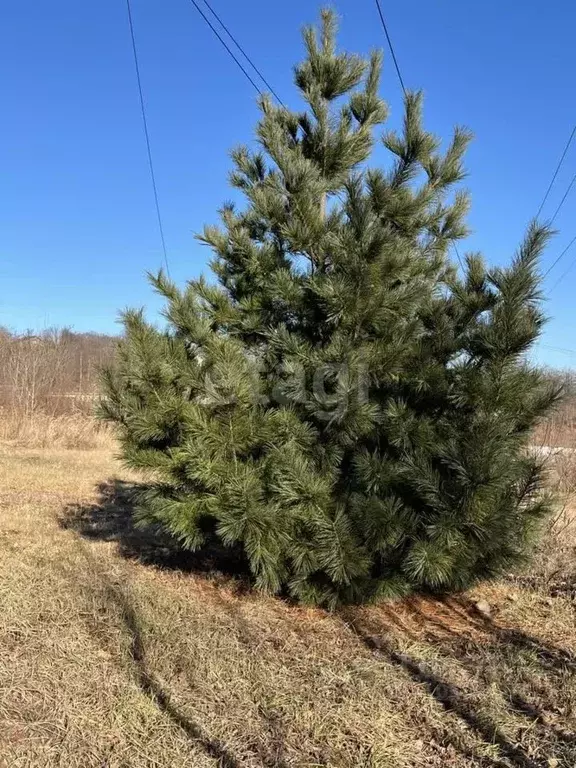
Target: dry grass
{"type": "Point", "coordinates": [115, 652]}
{"type": "Point", "coordinates": [42, 430]}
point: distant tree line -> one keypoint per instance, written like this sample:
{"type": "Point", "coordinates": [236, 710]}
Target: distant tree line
{"type": "Point", "coordinates": [55, 371]}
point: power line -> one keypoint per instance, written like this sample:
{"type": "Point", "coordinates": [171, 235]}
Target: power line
{"type": "Point", "coordinates": [146, 134]}
{"type": "Point", "coordinates": [559, 349]}
{"type": "Point", "coordinates": [566, 148]}
{"type": "Point", "coordinates": [555, 174]}
{"type": "Point", "coordinates": [559, 206]}
{"type": "Point", "coordinates": [394, 59]}
{"type": "Point", "coordinates": [551, 267]}
{"type": "Point", "coordinates": [396, 65]}
{"type": "Point", "coordinates": [243, 52]}
{"type": "Point", "coordinates": [226, 46]}
{"type": "Point", "coordinates": [564, 198]}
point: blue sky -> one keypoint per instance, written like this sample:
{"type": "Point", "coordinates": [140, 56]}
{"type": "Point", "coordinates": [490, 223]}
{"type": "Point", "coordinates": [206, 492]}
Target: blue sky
{"type": "Point", "coordinates": [77, 220]}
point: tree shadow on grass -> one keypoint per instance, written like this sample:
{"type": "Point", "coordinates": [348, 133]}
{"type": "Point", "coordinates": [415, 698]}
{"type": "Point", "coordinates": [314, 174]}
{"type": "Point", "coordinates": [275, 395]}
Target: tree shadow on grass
{"type": "Point", "coordinates": [111, 518]}
{"type": "Point", "coordinates": [213, 747]}
{"type": "Point", "coordinates": [111, 521]}
{"type": "Point", "coordinates": [447, 694]}
{"type": "Point", "coordinates": [451, 624]}
{"type": "Point", "coordinates": [528, 696]}
{"type": "Point", "coordinates": [549, 656]}
{"type": "Point", "coordinates": [483, 647]}
{"type": "Point", "coordinates": [115, 596]}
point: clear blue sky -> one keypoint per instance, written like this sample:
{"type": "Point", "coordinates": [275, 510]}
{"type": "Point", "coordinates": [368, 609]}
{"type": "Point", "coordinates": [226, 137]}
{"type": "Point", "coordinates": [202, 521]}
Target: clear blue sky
{"type": "Point", "coordinates": [77, 220]}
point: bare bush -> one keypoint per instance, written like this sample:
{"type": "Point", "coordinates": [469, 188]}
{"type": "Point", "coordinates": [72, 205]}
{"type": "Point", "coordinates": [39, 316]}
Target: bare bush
{"type": "Point", "coordinates": [48, 385]}
{"type": "Point", "coordinates": [559, 427]}
{"type": "Point", "coordinates": [552, 569]}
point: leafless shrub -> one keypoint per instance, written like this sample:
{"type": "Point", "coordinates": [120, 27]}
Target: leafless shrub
{"type": "Point", "coordinates": [559, 427]}
{"type": "Point", "coordinates": [48, 385]}
{"type": "Point", "coordinates": [552, 569]}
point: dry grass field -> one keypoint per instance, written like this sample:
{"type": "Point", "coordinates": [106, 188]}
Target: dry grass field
{"type": "Point", "coordinates": [116, 652]}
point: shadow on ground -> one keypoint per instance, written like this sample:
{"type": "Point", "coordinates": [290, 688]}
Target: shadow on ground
{"type": "Point", "coordinates": [106, 526]}
{"type": "Point", "coordinates": [111, 518]}
{"type": "Point", "coordinates": [526, 672]}
{"type": "Point", "coordinates": [461, 658]}
{"type": "Point", "coordinates": [146, 680]}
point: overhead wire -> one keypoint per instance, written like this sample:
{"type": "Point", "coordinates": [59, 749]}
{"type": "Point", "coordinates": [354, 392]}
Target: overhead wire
{"type": "Point", "coordinates": [557, 169]}
{"type": "Point", "coordinates": [551, 267]}
{"type": "Point", "coordinates": [559, 349]}
{"type": "Point", "coordinates": [243, 52]}
{"type": "Point", "coordinates": [561, 203]}
{"type": "Point", "coordinates": [143, 105]}
{"type": "Point", "coordinates": [388, 38]}
{"type": "Point", "coordinates": [558, 208]}
{"type": "Point", "coordinates": [227, 47]}
{"type": "Point", "coordinates": [570, 244]}
{"type": "Point", "coordinates": [404, 91]}
{"type": "Point", "coordinates": [550, 185]}
{"type": "Point", "coordinates": [147, 136]}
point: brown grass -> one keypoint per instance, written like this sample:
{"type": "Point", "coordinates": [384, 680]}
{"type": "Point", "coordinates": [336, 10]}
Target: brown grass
{"type": "Point", "coordinates": [116, 652]}
{"type": "Point", "coordinates": [42, 430]}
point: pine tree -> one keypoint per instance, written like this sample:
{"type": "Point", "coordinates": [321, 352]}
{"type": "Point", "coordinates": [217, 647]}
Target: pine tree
{"type": "Point", "coordinates": [343, 404]}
